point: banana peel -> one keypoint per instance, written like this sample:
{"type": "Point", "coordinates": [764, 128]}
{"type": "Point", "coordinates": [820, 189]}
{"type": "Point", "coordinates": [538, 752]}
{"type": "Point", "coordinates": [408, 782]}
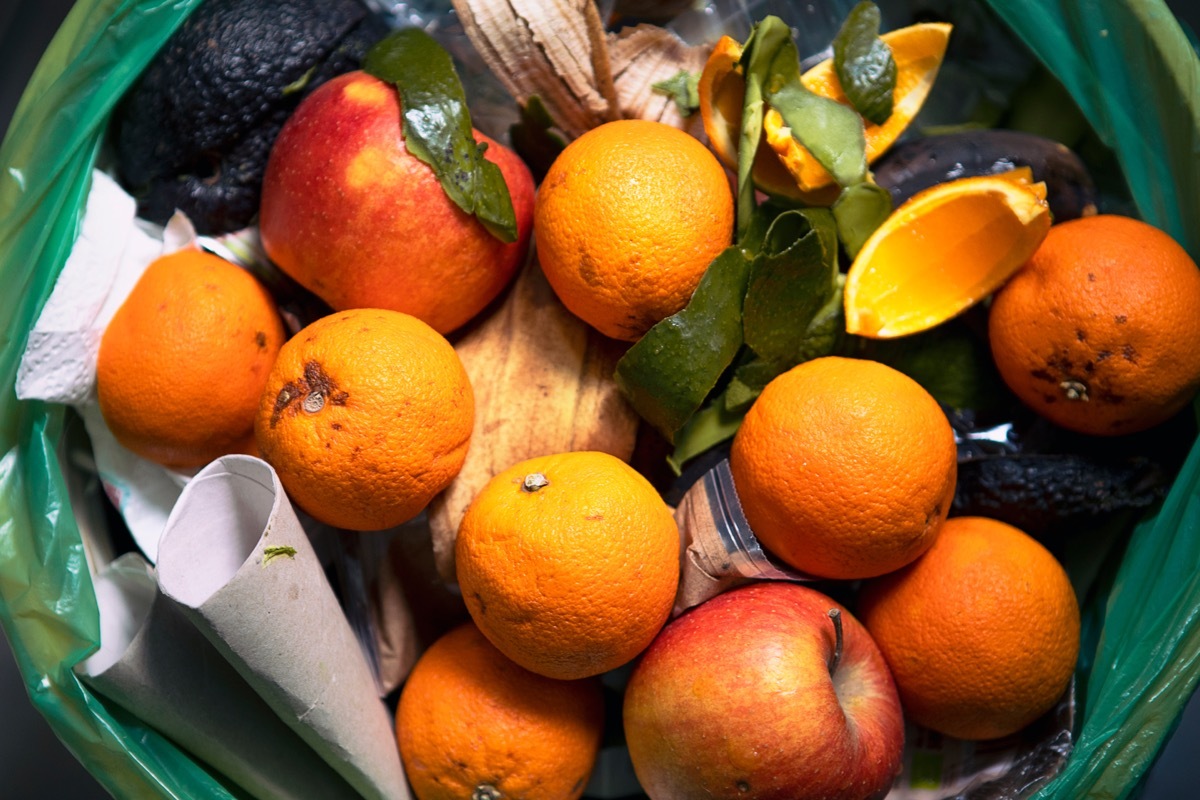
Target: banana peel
{"type": "Point", "coordinates": [543, 383]}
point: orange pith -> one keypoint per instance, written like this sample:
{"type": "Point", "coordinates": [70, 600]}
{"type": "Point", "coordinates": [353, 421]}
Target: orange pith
{"type": "Point", "coordinates": [946, 249]}
{"type": "Point", "coordinates": [782, 166]}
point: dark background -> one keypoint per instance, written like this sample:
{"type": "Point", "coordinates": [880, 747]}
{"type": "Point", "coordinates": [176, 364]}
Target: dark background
{"type": "Point", "coordinates": [34, 764]}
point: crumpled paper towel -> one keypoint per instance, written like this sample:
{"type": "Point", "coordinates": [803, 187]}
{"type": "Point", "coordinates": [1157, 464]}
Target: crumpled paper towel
{"type": "Point", "coordinates": [58, 365]}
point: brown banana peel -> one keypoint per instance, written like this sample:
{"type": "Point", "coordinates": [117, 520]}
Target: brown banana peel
{"type": "Point", "coordinates": [543, 383]}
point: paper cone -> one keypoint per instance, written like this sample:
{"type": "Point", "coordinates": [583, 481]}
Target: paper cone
{"type": "Point", "coordinates": [240, 566]}
{"type": "Point", "coordinates": [153, 663]}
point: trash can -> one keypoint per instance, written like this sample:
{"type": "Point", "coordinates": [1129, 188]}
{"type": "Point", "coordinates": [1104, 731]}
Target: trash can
{"type": "Point", "coordinates": [1127, 64]}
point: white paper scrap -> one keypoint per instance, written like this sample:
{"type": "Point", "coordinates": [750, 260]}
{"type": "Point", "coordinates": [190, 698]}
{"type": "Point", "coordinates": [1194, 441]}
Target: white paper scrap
{"type": "Point", "coordinates": [58, 365]}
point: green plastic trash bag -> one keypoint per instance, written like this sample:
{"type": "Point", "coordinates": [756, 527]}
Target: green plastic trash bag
{"type": "Point", "coordinates": [47, 604]}
{"type": "Point", "coordinates": [1128, 65]}
{"type": "Point", "coordinates": [1134, 74]}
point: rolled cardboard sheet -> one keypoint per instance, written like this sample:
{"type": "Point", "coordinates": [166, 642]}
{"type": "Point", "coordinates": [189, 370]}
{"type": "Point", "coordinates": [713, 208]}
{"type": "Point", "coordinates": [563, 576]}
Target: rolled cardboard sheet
{"type": "Point", "coordinates": [241, 568]}
{"type": "Point", "coordinates": [153, 663]}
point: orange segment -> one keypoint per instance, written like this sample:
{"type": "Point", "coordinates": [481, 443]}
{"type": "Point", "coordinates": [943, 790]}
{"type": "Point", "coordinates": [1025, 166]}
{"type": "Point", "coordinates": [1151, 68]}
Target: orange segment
{"type": "Point", "coordinates": [944, 250]}
{"type": "Point", "coordinates": [722, 90]}
{"type": "Point", "coordinates": [917, 50]}
{"type": "Point", "coordinates": [784, 167]}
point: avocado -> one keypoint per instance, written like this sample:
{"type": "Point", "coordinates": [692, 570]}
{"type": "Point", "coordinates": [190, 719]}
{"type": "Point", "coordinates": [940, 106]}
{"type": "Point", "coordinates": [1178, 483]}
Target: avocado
{"type": "Point", "coordinates": [195, 130]}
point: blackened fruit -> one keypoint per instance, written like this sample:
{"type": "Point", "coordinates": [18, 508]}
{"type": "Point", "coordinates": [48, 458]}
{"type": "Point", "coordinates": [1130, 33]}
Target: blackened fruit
{"type": "Point", "coordinates": [194, 132]}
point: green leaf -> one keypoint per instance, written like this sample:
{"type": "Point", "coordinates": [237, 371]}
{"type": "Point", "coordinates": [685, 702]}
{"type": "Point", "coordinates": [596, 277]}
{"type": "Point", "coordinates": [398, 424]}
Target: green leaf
{"type": "Point", "coordinates": [864, 64]}
{"type": "Point", "coordinates": [766, 38]}
{"type": "Point", "coordinates": [791, 279]}
{"type": "Point", "coordinates": [859, 210]}
{"type": "Point", "coordinates": [747, 383]}
{"type": "Point", "coordinates": [832, 132]}
{"type": "Point", "coordinates": [952, 363]}
{"type": "Point", "coordinates": [827, 330]}
{"type": "Point", "coordinates": [707, 428]}
{"type": "Point", "coordinates": [534, 139]}
{"type": "Point", "coordinates": [437, 126]}
{"type": "Point", "coordinates": [669, 372]}
{"type": "Point", "coordinates": [683, 88]}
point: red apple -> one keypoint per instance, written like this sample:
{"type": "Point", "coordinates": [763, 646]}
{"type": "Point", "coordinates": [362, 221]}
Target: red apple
{"type": "Point", "coordinates": [745, 696]}
{"type": "Point", "coordinates": [359, 221]}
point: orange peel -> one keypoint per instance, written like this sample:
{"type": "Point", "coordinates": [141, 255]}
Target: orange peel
{"type": "Point", "coordinates": [784, 167]}
{"type": "Point", "coordinates": [945, 249]}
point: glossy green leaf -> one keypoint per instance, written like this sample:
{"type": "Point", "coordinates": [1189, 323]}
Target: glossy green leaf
{"type": "Point", "coordinates": [669, 372]}
{"type": "Point", "coordinates": [707, 428]}
{"type": "Point", "coordinates": [758, 53]}
{"type": "Point", "coordinates": [832, 132]}
{"type": "Point", "coordinates": [437, 126]}
{"type": "Point", "coordinates": [864, 65]}
{"type": "Point", "coordinates": [859, 210]}
{"type": "Point", "coordinates": [791, 279]}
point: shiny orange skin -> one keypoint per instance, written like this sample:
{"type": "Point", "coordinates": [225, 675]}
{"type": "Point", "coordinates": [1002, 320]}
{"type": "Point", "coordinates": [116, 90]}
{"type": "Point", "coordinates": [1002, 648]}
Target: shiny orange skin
{"type": "Point", "coordinates": [367, 415]}
{"type": "Point", "coordinates": [184, 360]}
{"type": "Point", "coordinates": [845, 468]}
{"type": "Point", "coordinates": [469, 718]}
{"type": "Point", "coordinates": [1098, 331]}
{"type": "Point", "coordinates": [568, 563]}
{"type": "Point", "coordinates": [981, 633]}
{"type": "Point", "coordinates": [355, 218]}
{"type": "Point", "coordinates": [628, 218]}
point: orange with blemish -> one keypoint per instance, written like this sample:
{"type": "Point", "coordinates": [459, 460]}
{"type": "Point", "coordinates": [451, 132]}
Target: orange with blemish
{"type": "Point", "coordinates": [471, 723]}
{"type": "Point", "coordinates": [366, 416]}
{"type": "Point", "coordinates": [1098, 331]}
{"type": "Point", "coordinates": [981, 633]}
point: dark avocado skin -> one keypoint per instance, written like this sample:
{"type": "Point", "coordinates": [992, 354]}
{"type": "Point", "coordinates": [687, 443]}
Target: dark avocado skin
{"type": "Point", "coordinates": [194, 132]}
{"type": "Point", "coordinates": [918, 164]}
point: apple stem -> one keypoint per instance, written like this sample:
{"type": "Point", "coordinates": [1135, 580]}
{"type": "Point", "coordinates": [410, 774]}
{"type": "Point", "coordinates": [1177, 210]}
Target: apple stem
{"type": "Point", "coordinates": [836, 616]}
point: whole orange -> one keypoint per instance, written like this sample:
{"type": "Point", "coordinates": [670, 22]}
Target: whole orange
{"type": "Point", "coordinates": [981, 633]}
{"type": "Point", "coordinates": [183, 362]}
{"type": "Point", "coordinates": [569, 563]}
{"type": "Point", "coordinates": [366, 416]}
{"type": "Point", "coordinates": [471, 723]}
{"type": "Point", "coordinates": [628, 218]}
{"type": "Point", "coordinates": [845, 468]}
{"type": "Point", "coordinates": [1097, 331]}
{"type": "Point", "coordinates": [359, 221]}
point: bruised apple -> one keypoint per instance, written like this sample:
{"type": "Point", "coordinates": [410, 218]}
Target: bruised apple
{"type": "Point", "coordinates": [748, 696]}
{"type": "Point", "coordinates": [359, 221]}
